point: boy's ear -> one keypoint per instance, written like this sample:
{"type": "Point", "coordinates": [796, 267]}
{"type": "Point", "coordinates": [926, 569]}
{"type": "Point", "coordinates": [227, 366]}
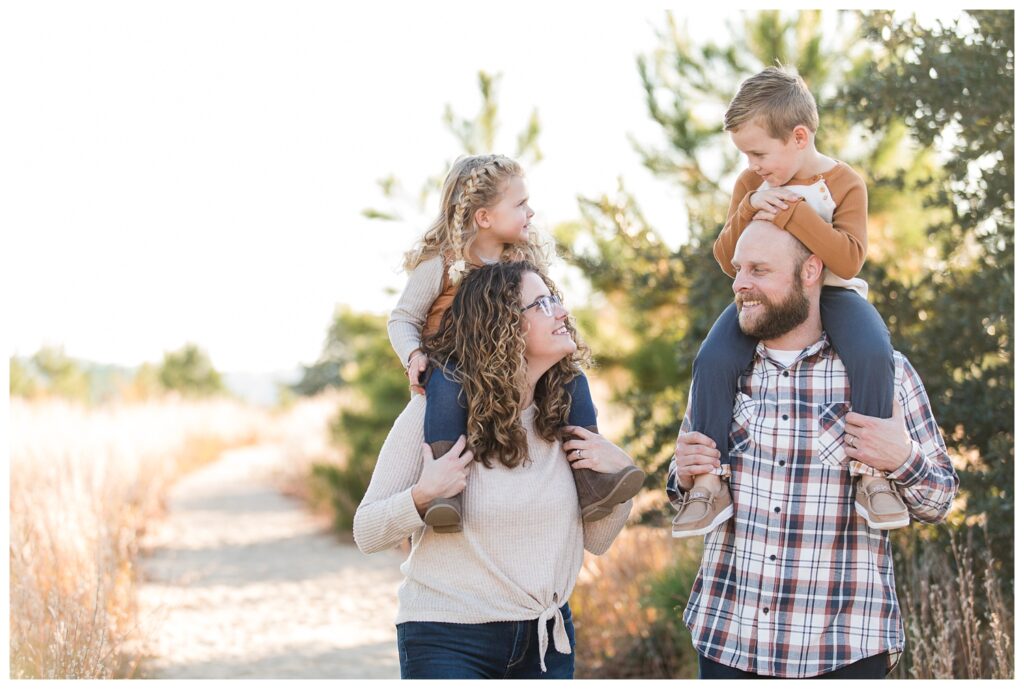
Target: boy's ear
{"type": "Point", "coordinates": [482, 218]}
{"type": "Point", "coordinates": [802, 136]}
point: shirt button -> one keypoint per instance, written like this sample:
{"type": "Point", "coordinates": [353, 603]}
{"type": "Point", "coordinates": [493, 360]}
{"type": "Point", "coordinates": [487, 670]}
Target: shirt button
{"type": "Point", "coordinates": [785, 374]}
{"type": "Point", "coordinates": [764, 610]}
{"type": "Point", "coordinates": [782, 463]}
{"type": "Point", "coordinates": [777, 510]}
{"type": "Point", "coordinates": [772, 558]}
{"type": "Point", "coordinates": [785, 417]}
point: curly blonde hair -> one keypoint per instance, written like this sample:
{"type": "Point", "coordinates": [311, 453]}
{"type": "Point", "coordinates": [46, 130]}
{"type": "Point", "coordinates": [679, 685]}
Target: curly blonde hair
{"type": "Point", "coordinates": [474, 182]}
{"type": "Point", "coordinates": [480, 343]}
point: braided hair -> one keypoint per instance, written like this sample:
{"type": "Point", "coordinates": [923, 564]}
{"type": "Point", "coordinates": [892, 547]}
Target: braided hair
{"type": "Point", "coordinates": [474, 182]}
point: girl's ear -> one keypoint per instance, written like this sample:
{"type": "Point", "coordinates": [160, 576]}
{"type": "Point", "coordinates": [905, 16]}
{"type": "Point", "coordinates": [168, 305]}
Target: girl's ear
{"type": "Point", "coordinates": [482, 218]}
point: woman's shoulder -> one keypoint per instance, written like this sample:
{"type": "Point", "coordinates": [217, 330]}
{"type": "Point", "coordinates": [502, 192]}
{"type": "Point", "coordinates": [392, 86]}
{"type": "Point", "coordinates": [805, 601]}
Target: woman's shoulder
{"type": "Point", "coordinates": [410, 420]}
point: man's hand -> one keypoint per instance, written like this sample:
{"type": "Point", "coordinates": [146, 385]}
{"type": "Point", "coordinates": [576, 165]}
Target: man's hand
{"type": "Point", "coordinates": [417, 365]}
{"type": "Point", "coordinates": [695, 454]}
{"type": "Point", "coordinates": [882, 444]}
{"type": "Point", "coordinates": [772, 200]}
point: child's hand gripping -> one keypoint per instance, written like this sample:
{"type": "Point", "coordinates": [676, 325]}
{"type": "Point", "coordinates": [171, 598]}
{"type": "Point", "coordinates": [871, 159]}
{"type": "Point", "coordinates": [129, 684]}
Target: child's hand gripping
{"type": "Point", "coordinates": [769, 202]}
{"type": "Point", "coordinates": [417, 365]}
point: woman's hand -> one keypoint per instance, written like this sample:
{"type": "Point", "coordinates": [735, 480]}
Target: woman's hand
{"type": "Point", "coordinates": [592, 451]}
{"type": "Point", "coordinates": [443, 477]}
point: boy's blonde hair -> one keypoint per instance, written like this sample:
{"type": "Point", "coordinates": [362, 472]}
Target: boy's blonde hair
{"type": "Point", "coordinates": [474, 182]}
{"type": "Point", "coordinates": [776, 99]}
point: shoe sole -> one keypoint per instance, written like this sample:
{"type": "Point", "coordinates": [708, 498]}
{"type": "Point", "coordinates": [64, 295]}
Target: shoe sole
{"type": "Point", "coordinates": [882, 526]}
{"type": "Point", "coordinates": [723, 516]}
{"type": "Point", "coordinates": [628, 486]}
{"type": "Point", "coordinates": [443, 519]}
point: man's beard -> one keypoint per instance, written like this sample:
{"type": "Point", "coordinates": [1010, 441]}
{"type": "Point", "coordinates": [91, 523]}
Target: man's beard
{"type": "Point", "coordinates": [776, 319]}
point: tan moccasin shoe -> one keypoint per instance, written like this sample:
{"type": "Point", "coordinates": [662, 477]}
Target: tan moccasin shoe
{"type": "Point", "coordinates": [702, 511]}
{"type": "Point", "coordinates": [878, 502]}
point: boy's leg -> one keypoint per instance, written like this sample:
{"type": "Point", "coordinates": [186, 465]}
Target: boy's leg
{"type": "Point", "coordinates": [861, 340]}
{"type": "Point", "coordinates": [721, 359]}
{"type": "Point", "coordinates": [444, 421]}
{"type": "Point", "coordinates": [598, 493]}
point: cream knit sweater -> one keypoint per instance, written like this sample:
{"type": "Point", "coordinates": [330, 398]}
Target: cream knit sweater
{"type": "Point", "coordinates": [405, 325]}
{"type": "Point", "coordinates": [522, 543]}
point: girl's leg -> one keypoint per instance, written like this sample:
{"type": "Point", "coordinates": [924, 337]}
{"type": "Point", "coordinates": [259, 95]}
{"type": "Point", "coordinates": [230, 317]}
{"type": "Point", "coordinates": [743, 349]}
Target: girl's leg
{"type": "Point", "coordinates": [861, 339]}
{"type": "Point", "coordinates": [444, 421]}
{"type": "Point", "coordinates": [598, 493]}
{"type": "Point", "coordinates": [722, 358]}
{"type": "Point", "coordinates": [582, 411]}
{"type": "Point", "coordinates": [446, 415]}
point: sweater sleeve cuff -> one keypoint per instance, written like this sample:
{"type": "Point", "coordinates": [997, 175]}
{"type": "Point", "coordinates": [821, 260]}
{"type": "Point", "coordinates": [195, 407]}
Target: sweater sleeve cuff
{"type": "Point", "coordinates": [407, 518]}
{"type": "Point", "coordinates": [782, 217]}
{"type": "Point", "coordinates": [675, 492]}
{"type": "Point", "coordinates": [745, 210]}
{"type": "Point", "coordinates": [912, 471]}
{"type": "Point", "coordinates": [408, 347]}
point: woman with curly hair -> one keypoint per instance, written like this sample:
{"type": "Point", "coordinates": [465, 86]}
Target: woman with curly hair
{"type": "Point", "coordinates": [484, 217]}
{"type": "Point", "coordinates": [484, 603]}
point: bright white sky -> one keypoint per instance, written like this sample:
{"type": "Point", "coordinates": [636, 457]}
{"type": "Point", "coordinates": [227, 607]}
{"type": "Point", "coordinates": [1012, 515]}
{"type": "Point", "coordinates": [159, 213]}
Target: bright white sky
{"type": "Point", "coordinates": [195, 171]}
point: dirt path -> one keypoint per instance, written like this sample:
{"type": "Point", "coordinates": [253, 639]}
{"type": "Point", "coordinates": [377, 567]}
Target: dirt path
{"type": "Point", "coordinates": [241, 581]}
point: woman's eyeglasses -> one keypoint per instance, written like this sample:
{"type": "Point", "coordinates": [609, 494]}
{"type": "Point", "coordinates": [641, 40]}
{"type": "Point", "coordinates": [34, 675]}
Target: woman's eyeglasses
{"type": "Point", "coordinates": [546, 304]}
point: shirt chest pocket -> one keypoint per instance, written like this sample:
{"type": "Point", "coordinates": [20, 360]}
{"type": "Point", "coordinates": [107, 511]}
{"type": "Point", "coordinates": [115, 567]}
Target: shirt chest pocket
{"type": "Point", "coordinates": [741, 435]}
{"type": "Point", "coordinates": [831, 439]}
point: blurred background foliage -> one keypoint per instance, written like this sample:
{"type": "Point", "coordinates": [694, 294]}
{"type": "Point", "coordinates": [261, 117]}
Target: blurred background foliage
{"type": "Point", "coordinates": [50, 372]}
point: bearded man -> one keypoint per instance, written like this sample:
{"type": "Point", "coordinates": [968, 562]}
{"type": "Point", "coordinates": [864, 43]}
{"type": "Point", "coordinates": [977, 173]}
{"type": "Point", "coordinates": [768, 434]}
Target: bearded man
{"type": "Point", "coordinates": [796, 585]}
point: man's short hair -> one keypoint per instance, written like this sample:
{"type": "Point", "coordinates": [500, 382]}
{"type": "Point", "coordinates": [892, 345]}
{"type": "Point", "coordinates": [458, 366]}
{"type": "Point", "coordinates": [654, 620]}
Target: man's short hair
{"type": "Point", "coordinates": [776, 99]}
{"type": "Point", "coordinates": [802, 252]}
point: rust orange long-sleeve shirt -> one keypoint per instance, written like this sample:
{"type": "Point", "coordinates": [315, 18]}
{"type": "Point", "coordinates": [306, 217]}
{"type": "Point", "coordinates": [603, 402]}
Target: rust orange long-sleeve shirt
{"type": "Point", "coordinates": [831, 219]}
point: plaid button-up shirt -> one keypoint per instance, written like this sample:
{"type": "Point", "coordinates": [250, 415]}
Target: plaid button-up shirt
{"type": "Point", "coordinates": [796, 584]}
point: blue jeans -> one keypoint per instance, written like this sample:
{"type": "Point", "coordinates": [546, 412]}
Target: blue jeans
{"type": "Point", "coordinates": [873, 667]}
{"type": "Point", "coordinates": [446, 415]}
{"type": "Point", "coordinates": [856, 331]}
{"type": "Point", "coordinates": [493, 650]}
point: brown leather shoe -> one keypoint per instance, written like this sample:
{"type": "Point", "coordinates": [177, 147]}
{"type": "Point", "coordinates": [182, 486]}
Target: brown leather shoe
{"type": "Point", "coordinates": [703, 510]}
{"type": "Point", "coordinates": [598, 493]}
{"type": "Point", "coordinates": [878, 502]}
{"type": "Point", "coordinates": [444, 515]}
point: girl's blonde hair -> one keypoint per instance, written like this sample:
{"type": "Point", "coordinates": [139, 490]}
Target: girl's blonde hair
{"type": "Point", "coordinates": [480, 344]}
{"type": "Point", "coordinates": [474, 182]}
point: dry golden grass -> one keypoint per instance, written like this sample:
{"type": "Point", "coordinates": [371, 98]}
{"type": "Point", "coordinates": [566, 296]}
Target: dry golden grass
{"type": "Point", "coordinates": [957, 621]}
{"type": "Point", "coordinates": [84, 482]}
{"type": "Point", "coordinates": [627, 607]}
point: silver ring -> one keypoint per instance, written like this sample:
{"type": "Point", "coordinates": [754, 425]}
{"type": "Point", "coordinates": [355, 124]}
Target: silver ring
{"type": "Point", "coordinates": [579, 454]}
